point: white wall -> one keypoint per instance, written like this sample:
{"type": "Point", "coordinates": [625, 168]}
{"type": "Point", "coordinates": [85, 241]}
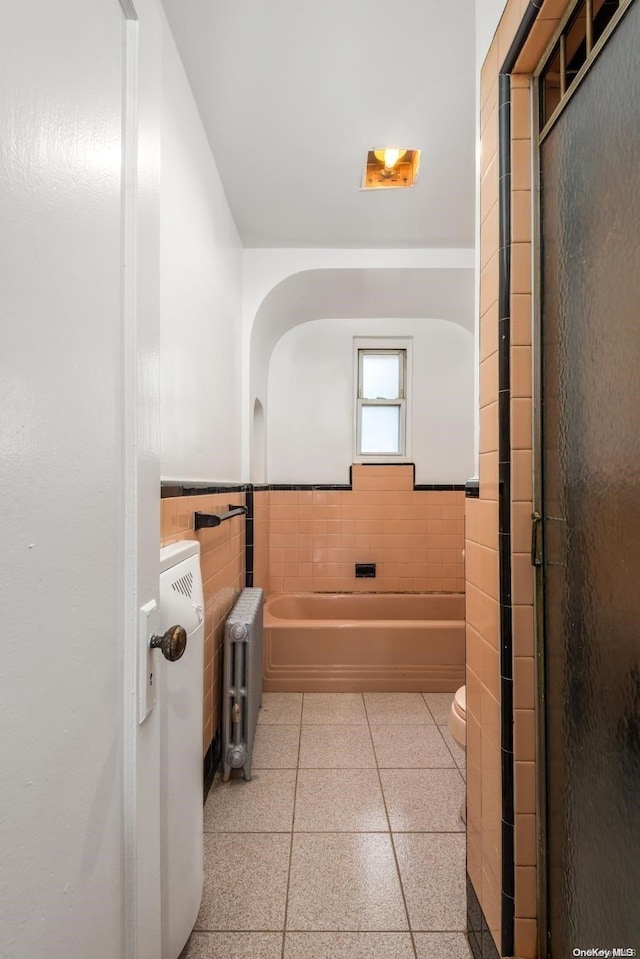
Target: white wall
{"type": "Point", "coordinates": [79, 394]}
{"type": "Point", "coordinates": [200, 290]}
{"type": "Point", "coordinates": [360, 284]}
{"type": "Point", "coordinates": [311, 399]}
{"type": "Point", "coordinates": [283, 288]}
{"type": "Point", "coordinates": [487, 16]}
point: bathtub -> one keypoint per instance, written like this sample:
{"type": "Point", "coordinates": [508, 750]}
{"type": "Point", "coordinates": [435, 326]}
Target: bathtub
{"type": "Point", "coordinates": [359, 642]}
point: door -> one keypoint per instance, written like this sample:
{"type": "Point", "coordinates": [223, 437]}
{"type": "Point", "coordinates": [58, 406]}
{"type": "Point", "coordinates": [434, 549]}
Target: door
{"type": "Point", "coordinates": [590, 354]}
{"type": "Point", "coordinates": [79, 777]}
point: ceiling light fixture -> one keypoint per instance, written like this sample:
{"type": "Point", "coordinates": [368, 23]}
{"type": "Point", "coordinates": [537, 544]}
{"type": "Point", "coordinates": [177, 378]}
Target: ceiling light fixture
{"type": "Point", "coordinates": [389, 156]}
{"type": "Point", "coordinates": [391, 167]}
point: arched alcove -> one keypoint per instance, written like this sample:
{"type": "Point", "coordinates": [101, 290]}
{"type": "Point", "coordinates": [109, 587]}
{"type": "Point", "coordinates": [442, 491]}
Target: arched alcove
{"type": "Point", "coordinates": [437, 293]}
{"type": "Point", "coordinates": [386, 297]}
{"type": "Point", "coordinates": [258, 444]}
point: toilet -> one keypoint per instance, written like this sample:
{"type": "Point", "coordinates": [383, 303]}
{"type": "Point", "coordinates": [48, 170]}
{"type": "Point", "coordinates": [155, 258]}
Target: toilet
{"type": "Point", "coordinates": [458, 717]}
{"type": "Point", "coordinates": [458, 729]}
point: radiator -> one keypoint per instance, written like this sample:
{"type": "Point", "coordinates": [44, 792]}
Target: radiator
{"type": "Point", "coordinates": [242, 682]}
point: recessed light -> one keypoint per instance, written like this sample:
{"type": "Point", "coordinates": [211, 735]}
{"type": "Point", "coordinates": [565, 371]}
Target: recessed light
{"type": "Point", "coordinates": [391, 168]}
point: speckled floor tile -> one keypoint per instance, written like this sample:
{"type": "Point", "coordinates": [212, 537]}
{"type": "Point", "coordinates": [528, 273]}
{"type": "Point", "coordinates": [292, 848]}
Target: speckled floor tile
{"type": "Point", "coordinates": [442, 945]}
{"type": "Point", "coordinates": [328, 708]}
{"type": "Point", "coordinates": [423, 800]}
{"type": "Point", "coordinates": [281, 709]}
{"type": "Point", "coordinates": [331, 747]}
{"type": "Point", "coordinates": [263, 805]}
{"type": "Point", "coordinates": [339, 800]}
{"type": "Point", "coordinates": [348, 945]}
{"type": "Point", "coordinates": [456, 751]}
{"type": "Point", "coordinates": [245, 882]}
{"type": "Point", "coordinates": [276, 747]}
{"type": "Point", "coordinates": [344, 882]}
{"type": "Point", "coordinates": [432, 867]}
{"type": "Point", "coordinates": [440, 706]}
{"type": "Point", "coordinates": [233, 945]}
{"type": "Point", "coordinates": [413, 747]}
{"type": "Point", "coordinates": [397, 709]}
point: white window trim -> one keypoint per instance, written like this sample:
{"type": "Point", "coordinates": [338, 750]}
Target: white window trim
{"type": "Point", "coordinates": [384, 344]}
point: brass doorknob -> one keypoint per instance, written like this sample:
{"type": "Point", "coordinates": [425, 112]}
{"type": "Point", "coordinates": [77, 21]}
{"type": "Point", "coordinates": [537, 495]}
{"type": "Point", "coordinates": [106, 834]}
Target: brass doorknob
{"type": "Point", "coordinates": [172, 644]}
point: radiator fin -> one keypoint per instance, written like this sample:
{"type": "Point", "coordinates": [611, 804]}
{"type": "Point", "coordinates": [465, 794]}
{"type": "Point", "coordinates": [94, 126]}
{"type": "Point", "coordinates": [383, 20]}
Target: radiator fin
{"type": "Point", "coordinates": [242, 682]}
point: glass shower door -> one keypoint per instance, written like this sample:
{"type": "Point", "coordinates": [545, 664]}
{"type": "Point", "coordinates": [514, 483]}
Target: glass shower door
{"type": "Point", "coordinates": [590, 358]}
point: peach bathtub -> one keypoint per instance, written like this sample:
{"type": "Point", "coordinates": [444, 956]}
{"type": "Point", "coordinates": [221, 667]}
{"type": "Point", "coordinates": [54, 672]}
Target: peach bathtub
{"type": "Point", "coordinates": [324, 642]}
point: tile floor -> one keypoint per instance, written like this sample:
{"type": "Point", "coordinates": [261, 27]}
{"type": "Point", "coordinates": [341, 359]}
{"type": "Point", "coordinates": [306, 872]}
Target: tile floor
{"type": "Point", "coordinates": [347, 843]}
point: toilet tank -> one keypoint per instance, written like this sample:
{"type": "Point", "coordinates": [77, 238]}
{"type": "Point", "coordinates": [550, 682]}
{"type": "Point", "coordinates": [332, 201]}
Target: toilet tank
{"type": "Point", "coordinates": [180, 694]}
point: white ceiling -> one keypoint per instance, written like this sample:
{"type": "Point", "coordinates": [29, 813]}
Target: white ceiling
{"type": "Point", "coordinates": [293, 93]}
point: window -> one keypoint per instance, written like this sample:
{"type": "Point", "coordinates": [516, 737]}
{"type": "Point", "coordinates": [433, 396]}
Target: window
{"type": "Point", "coordinates": [578, 43]}
{"type": "Point", "coordinates": [381, 404]}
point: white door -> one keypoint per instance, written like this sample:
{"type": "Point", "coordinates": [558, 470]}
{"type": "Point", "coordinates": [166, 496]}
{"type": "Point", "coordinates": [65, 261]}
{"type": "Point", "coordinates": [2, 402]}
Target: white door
{"type": "Point", "coordinates": [79, 860]}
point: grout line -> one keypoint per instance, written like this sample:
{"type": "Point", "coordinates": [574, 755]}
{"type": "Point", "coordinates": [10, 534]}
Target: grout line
{"type": "Point", "coordinates": [250, 832]}
{"type": "Point", "coordinates": [313, 932]}
{"type": "Point", "coordinates": [393, 847]}
{"type": "Point", "coordinates": [293, 819]}
{"type": "Point", "coordinates": [338, 832]}
{"type": "Point", "coordinates": [360, 725]}
{"type": "Point", "coordinates": [440, 728]}
{"type": "Point", "coordinates": [339, 932]}
{"type": "Point", "coordinates": [351, 766]}
{"type": "Point", "coordinates": [386, 725]}
{"type": "Point", "coordinates": [424, 696]}
{"type": "Point", "coordinates": [292, 832]}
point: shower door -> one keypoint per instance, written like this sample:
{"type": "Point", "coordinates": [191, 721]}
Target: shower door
{"type": "Point", "coordinates": [590, 485]}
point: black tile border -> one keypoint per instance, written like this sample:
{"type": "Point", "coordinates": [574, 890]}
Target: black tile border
{"type": "Point", "coordinates": [504, 486]}
{"type": "Point", "coordinates": [406, 463]}
{"type": "Point", "coordinates": [300, 487]}
{"type": "Point", "coordinates": [439, 487]}
{"type": "Point", "coordinates": [249, 538]}
{"type": "Point", "coordinates": [419, 487]}
{"type": "Point", "coordinates": [472, 489]}
{"type": "Point", "coordinates": [307, 487]}
{"type": "Point", "coordinates": [504, 510]}
{"type": "Point", "coordinates": [169, 489]}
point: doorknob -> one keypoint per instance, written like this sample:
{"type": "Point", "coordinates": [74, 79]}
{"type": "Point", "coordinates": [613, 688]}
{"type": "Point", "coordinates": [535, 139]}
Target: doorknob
{"type": "Point", "coordinates": [172, 644]}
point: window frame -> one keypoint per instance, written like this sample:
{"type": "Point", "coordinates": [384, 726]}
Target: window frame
{"type": "Point", "coordinates": [383, 346]}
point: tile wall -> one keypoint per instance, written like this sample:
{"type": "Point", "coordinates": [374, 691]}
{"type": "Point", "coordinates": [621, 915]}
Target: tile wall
{"type": "Point", "coordinates": [310, 540]}
{"type": "Point", "coordinates": [415, 537]}
{"type": "Point", "coordinates": [261, 513]}
{"type": "Point", "coordinates": [484, 800]}
{"type": "Point", "coordinates": [222, 561]}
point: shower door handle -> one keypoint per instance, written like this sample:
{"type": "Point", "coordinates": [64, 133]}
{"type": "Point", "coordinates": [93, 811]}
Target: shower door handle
{"type": "Point", "coordinates": [536, 539]}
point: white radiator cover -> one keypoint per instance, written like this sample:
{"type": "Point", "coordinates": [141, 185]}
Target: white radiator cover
{"type": "Point", "coordinates": [181, 771]}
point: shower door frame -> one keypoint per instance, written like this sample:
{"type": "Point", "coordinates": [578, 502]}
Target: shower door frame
{"type": "Point", "coordinates": [539, 134]}
{"type": "Point", "coordinates": [537, 465]}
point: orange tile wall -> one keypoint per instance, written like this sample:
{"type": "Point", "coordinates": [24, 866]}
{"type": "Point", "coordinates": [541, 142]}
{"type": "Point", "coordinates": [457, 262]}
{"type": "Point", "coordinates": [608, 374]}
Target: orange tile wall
{"type": "Point", "coordinates": [482, 600]}
{"type": "Point", "coordinates": [414, 537]}
{"type": "Point", "coordinates": [222, 561]}
{"type": "Point", "coordinates": [310, 541]}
